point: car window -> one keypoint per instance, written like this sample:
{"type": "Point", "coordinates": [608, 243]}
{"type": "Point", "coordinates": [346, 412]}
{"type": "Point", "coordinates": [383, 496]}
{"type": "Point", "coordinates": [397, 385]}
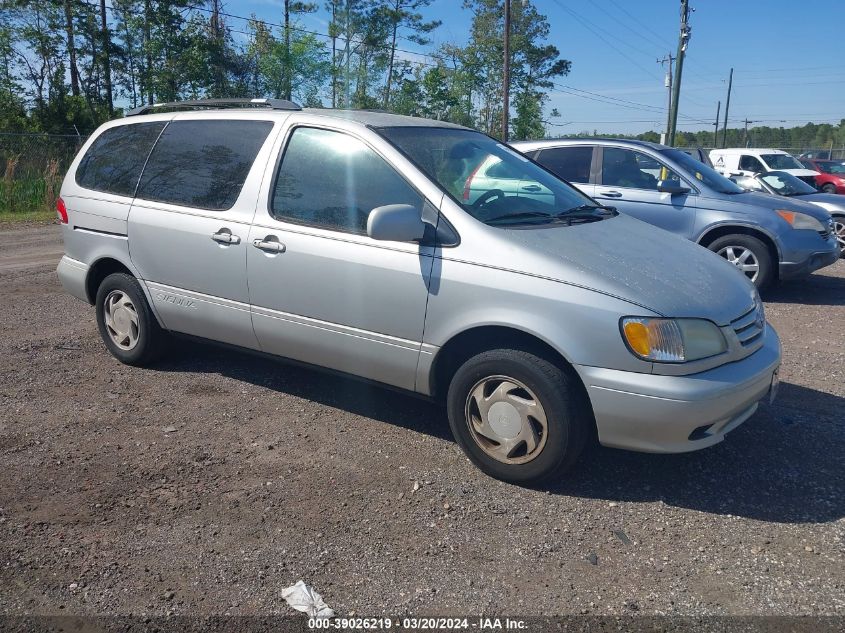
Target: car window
{"type": "Point", "coordinates": [750, 163]}
{"type": "Point", "coordinates": [453, 157]}
{"type": "Point", "coordinates": [570, 163]}
{"type": "Point", "coordinates": [503, 170]}
{"type": "Point", "coordinates": [628, 168]}
{"type": "Point", "coordinates": [781, 161]}
{"type": "Point", "coordinates": [115, 159]}
{"type": "Point", "coordinates": [202, 164]}
{"type": "Point", "coordinates": [333, 180]}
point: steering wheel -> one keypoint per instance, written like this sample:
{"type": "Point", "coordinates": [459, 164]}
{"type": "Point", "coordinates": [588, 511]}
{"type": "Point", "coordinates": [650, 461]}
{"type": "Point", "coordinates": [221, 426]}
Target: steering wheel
{"type": "Point", "coordinates": [486, 197]}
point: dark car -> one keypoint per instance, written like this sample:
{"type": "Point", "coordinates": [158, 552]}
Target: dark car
{"type": "Point", "coordinates": [831, 178]}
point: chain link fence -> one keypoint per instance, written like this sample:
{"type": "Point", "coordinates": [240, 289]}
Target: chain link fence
{"type": "Point", "coordinates": [33, 166]}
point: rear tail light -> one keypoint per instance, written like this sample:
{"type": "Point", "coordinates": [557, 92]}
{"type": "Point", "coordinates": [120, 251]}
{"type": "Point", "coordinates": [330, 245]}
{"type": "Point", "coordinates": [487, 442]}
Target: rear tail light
{"type": "Point", "coordinates": [61, 211]}
{"type": "Point", "coordinates": [468, 183]}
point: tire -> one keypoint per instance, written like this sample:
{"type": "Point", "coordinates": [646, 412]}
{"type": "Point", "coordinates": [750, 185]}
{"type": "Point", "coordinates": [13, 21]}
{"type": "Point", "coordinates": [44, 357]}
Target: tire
{"type": "Point", "coordinates": [839, 230]}
{"type": "Point", "coordinates": [738, 245]}
{"type": "Point", "coordinates": [134, 339]}
{"type": "Point", "coordinates": [829, 188]}
{"type": "Point", "coordinates": [557, 445]}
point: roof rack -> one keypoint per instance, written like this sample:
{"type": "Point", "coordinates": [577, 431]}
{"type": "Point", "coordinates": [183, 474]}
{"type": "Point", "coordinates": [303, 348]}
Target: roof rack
{"type": "Point", "coordinates": [274, 104]}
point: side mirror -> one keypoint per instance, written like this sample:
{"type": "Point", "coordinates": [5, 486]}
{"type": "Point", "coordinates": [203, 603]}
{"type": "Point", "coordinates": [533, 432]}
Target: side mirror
{"type": "Point", "coordinates": [396, 223]}
{"type": "Point", "coordinates": [671, 186]}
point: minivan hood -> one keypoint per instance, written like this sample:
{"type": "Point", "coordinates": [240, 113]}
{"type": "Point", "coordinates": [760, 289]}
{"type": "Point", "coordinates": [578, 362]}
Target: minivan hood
{"type": "Point", "coordinates": [636, 262]}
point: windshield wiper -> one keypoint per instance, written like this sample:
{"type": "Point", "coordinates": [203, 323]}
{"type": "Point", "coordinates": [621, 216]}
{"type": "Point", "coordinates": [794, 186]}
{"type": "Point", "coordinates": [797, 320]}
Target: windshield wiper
{"type": "Point", "coordinates": [581, 209]}
{"type": "Point", "coordinates": [520, 215]}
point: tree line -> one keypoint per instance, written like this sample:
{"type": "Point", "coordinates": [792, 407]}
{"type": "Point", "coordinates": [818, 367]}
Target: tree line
{"type": "Point", "coordinates": [68, 65]}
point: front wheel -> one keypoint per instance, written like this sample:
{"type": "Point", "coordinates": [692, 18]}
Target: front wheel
{"type": "Point", "coordinates": [829, 188]}
{"type": "Point", "coordinates": [517, 416]}
{"type": "Point", "coordinates": [839, 231]}
{"type": "Point", "coordinates": [748, 254]}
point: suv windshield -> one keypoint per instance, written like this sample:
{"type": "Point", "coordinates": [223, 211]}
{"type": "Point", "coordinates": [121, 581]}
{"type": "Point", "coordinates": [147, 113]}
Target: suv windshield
{"type": "Point", "coordinates": [492, 182]}
{"type": "Point", "coordinates": [781, 161]}
{"type": "Point", "coordinates": [787, 184]}
{"type": "Point", "coordinates": [709, 176]}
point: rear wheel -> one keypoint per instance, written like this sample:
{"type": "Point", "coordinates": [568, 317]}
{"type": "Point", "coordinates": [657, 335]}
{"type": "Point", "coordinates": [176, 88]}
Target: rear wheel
{"type": "Point", "coordinates": [829, 188]}
{"type": "Point", "coordinates": [748, 254]}
{"type": "Point", "coordinates": [517, 416]}
{"type": "Point", "coordinates": [839, 231]}
{"type": "Point", "coordinates": [127, 325]}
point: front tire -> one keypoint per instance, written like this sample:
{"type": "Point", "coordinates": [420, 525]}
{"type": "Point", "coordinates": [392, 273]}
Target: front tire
{"type": "Point", "coordinates": [748, 254]}
{"type": "Point", "coordinates": [829, 188]}
{"type": "Point", "coordinates": [839, 231]}
{"type": "Point", "coordinates": [127, 325]}
{"type": "Point", "coordinates": [517, 416]}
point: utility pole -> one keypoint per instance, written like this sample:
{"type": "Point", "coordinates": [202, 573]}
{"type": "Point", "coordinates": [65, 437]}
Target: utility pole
{"type": "Point", "coordinates": [746, 130]}
{"type": "Point", "coordinates": [727, 105]}
{"type": "Point", "coordinates": [683, 41]}
{"type": "Point", "coordinates": [506, 78]}
{"type": "Point", "coordinates": [716, 129]}
{"type": "Point", "coordinates": [668, 84]}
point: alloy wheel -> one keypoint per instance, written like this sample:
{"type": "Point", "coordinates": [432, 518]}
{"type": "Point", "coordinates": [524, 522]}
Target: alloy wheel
{"type": "Point", "coordinates": [743, 258]}
{"type": "Point", "coordinates": [839, 231]}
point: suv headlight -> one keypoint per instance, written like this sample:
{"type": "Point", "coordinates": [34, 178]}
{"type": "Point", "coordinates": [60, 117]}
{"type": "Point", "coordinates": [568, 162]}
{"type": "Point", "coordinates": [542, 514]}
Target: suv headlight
{"type": "Point", "coordinates": [672, 340]}
{"type": "Point", "coordinates": [800, 220]}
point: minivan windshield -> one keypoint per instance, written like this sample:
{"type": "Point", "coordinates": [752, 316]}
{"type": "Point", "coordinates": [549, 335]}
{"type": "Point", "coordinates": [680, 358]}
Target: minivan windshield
{"type": "Point", "coordinates": [492, 182]}
{"type": "Point", "coordinates": [701, 172]}
{"type": "Point", "coordinates": [781, 161]}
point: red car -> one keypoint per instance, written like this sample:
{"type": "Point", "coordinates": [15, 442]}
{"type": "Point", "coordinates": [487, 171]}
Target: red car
{"type": "Point", "coordinates": [831, 178]}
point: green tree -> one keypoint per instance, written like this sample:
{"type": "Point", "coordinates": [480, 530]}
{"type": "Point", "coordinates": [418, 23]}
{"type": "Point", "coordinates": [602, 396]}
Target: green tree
{"type": "Point", "coordinates": [404, 15]}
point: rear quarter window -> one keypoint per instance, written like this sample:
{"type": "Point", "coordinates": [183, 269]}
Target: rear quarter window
{"type": "Point", "coordinates": [114, 161]}
{"type": "Point", "coordinates": [202, 164]}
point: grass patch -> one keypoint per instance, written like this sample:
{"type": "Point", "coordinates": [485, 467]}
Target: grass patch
{"type": "Point", "coordinates": [22, 217]}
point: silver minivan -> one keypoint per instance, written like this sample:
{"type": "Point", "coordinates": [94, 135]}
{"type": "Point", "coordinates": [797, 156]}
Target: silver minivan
{"type": "Point", "coordinates": [343, 240]}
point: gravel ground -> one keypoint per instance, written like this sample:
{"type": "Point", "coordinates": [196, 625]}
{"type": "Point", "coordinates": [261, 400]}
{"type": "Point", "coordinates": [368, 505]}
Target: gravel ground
{"type": "Point", "coordinates": [210, 483]}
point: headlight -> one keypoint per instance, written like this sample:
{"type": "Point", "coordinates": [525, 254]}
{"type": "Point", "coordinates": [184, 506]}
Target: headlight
{"type": "Point", "coordinates": [800, 220]}
{"type": "Point", "coordinates": [672, 340]}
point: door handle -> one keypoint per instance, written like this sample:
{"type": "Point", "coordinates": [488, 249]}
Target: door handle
{"type": "Point", "coordinates": [225, 237]}
{"type": "Point", "coordinates": [269, 246]}
{"type": "Point", "coordinates": [610, 194]}
{"type": "Point", "coordinates": [531, 188]}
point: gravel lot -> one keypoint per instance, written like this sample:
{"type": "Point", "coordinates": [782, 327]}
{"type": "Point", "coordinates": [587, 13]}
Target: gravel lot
{"type": "Point", "coordinates": [210, 483]}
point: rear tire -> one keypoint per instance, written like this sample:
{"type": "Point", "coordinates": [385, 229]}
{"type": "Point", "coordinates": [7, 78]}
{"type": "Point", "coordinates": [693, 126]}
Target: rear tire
{"type": "Point", "coordinates": [829, 188]}
{"type": "Point", "coordinates": [535, 420]}
{"type": "Point", "coordinates": [127, 325]}
{"type": "Point", "coordinates": [749, 254]}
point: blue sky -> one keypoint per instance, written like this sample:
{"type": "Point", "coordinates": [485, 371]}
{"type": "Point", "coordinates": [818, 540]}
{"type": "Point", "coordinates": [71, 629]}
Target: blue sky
{"type": "Point", "coordinates": [787, 59]}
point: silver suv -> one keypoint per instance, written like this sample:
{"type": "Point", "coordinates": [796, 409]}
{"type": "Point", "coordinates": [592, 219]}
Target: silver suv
{"type": "Point", "coordinates": [768, 238]}
{"type": "Point", "coordinates": [346, 240]}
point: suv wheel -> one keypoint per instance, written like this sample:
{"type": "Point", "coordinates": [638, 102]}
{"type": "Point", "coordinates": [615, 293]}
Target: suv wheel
{"type": "Point", "coordinates": [127, 325]}
{"type": "Point", "coordinates": [517, 416]}
{"type": "Point", "coordinates": [748, 254]}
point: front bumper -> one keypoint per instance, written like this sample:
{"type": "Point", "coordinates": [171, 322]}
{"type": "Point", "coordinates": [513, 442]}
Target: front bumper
{"type": "Point", "coordinates": [802, 263]}
{"type": "Point", "coordinates": [73, 275]}
{"type": "Point", "coordinates": [659, 414]}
